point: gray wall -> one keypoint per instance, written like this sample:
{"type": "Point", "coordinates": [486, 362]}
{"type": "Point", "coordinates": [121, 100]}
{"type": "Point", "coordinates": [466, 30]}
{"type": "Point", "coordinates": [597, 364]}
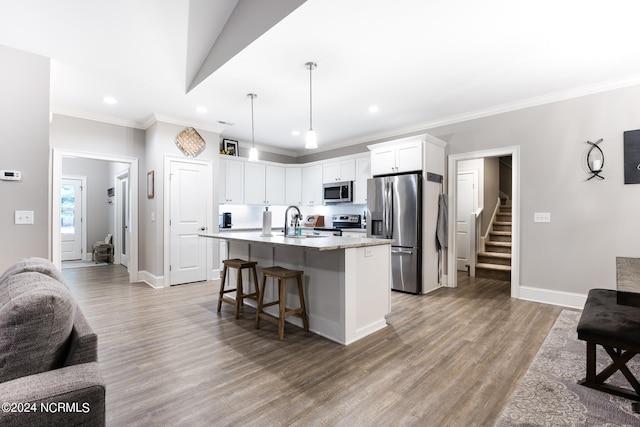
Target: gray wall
{"type": "Point", "coordinates": [592, 222]}
{"type": "Point", "coordinates": [24, 136]}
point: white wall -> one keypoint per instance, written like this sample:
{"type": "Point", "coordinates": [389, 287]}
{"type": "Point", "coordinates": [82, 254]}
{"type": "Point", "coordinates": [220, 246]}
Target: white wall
{"type": "Point", "coordinates": [591, 222]}
{"type": "Point", "coordinates": [24, 137]}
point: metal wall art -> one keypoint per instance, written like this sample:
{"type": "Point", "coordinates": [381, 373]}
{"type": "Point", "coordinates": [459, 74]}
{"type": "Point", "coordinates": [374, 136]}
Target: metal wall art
{"type": "Point", "coordinates": [595, 159]}
{"type": "Point", "coordinates": [190, 142]}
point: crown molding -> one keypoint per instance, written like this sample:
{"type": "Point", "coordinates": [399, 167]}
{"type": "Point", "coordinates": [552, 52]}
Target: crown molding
{"type": "Point", "coordinates": [155, 117]}
{"type": "Point", "coordinates": [103, 118]}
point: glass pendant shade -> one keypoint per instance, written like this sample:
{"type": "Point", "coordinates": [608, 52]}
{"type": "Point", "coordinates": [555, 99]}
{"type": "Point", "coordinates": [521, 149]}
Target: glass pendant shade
{"type": "Point", "coordinates": [311, 140]}
{"type": "Point", "coordinates": [253, 154]}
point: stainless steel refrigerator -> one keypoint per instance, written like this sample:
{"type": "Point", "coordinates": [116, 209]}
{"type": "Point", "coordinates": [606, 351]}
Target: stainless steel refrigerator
{"type": "Point", "coordinates": [394, 211]}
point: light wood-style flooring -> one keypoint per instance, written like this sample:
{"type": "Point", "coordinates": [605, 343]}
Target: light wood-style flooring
{"type": "Point", "coordinates": [449, 358]}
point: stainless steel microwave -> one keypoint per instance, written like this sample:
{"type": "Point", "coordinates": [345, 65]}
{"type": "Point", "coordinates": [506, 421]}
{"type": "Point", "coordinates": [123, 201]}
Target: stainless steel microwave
{"type": "Point", "coordinates": [337, 192]}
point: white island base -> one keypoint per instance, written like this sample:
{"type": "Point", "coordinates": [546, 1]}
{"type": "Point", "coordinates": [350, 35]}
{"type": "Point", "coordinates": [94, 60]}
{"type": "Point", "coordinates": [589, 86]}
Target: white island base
{"type": "Point", "coordinates": [347, 285]}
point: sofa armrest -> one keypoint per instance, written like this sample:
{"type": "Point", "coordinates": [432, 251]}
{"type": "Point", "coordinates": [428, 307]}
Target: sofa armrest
{"type": "Point", "coordinates": [73, 395]}
{"type": "Point", "coordinates": [83, 342]}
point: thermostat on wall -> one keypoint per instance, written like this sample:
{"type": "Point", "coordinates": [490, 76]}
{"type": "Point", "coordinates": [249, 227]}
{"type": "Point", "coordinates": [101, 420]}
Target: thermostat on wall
{"type": "Point", "coordinates": [10, 175]}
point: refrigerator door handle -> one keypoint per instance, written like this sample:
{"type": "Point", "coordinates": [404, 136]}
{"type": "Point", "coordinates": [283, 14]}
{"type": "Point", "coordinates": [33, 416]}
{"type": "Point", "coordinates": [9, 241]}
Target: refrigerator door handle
{"type": "Point", "coordinates": [390, 236]}
{"type": "Point", "coordinates": [402, 251]}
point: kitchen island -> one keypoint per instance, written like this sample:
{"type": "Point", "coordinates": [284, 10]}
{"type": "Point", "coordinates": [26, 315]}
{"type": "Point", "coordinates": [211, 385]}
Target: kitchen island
{"type": "Point", "coordinates": [346, 279]}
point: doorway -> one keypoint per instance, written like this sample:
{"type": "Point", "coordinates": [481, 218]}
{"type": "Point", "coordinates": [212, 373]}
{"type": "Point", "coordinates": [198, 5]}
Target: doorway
{"type": "Point", "coordinates": [56, 205]}
{"type": "Point", "coordinates": [72, 224]}
{"type": "Point", "coordinates": [454, 168]}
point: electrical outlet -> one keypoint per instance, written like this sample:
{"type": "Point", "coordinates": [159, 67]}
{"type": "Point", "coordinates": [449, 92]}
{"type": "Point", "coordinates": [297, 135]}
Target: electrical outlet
{"type": "Point", "coordinates": [23, 217]}
{"type": "Point", "coordinates": [542, 217]}
{"type": "Point", "coordinates": [368, 252]}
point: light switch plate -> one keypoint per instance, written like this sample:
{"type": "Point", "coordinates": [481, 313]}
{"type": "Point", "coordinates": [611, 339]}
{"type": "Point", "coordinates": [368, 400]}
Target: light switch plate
{"type": "Point", "coordinates": [542, 217]}
{"type": "Point", "coordinates": [23, 217]}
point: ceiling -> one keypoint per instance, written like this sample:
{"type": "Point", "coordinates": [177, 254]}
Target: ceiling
{"type": "Point", "coordinates": [423, 63]}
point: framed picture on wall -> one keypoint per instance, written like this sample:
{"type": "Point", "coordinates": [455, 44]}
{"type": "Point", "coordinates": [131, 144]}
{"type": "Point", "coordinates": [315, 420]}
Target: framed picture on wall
{"type": "Point", "coordinates": [230, 147]}
{"type": "Point", "coordinates": [150, 184]}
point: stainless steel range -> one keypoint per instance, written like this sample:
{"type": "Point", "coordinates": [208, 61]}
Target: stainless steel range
{"type": "Point", "coordinates": [346, 221]}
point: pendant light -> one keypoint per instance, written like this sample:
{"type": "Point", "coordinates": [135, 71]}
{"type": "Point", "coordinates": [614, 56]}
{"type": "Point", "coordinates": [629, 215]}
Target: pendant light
{"type": "Point", "coordinates": [253, 153]}
{"type": "Point", "coordinates": [311, 140]}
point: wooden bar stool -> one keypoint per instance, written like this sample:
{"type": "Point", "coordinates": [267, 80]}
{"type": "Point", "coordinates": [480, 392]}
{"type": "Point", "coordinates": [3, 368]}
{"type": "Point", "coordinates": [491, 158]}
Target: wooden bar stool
{"type": "Point", "coordinates": [281, 274]}
{"type": "Point", "coordinates": [240, 265]}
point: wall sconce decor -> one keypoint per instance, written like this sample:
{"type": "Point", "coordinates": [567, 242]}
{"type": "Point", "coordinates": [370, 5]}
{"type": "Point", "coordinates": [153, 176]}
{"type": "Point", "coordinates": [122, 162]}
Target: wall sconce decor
{"type": "Point", "coordinates": [595, 159]}
{"type": "Point", "coordinates": [632, 157]}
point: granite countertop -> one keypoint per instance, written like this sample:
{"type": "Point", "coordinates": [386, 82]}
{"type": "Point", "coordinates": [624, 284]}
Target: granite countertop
{"type": "Point", "coordinates": [321, 243]}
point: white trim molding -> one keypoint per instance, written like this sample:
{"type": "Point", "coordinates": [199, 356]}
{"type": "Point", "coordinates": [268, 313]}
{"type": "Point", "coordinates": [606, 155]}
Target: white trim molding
{"type": "Point", "coordinates": [549, 296]}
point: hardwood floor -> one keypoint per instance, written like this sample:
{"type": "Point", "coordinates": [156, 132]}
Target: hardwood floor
{"type": "Point", "coordinates": [449, 358]}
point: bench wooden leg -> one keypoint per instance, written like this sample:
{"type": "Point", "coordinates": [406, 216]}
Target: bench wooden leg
{"type": "Point", "coordinates": [619, 360]}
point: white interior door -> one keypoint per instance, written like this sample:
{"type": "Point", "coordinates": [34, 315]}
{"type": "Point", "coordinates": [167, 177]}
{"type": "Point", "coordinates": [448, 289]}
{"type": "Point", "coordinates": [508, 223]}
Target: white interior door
{"type": "Point", "coordinates": [71, 218]}
{"type": "Point", "coordinates": [189, 185]}
{"type": "Point", "coordinates": [467, 202]}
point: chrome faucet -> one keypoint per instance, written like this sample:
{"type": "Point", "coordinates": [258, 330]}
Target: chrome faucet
{"type": "Point", "coordinates": [286, 218]}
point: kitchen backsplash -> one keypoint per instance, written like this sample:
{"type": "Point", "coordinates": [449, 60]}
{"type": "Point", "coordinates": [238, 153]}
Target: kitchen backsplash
{"type": "Point", "coordinates": [250, 216]}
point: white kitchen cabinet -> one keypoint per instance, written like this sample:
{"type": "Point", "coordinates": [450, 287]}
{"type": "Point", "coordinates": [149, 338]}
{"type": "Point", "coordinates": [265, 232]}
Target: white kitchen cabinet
{"type": "Point", "coordinates": [263, 184]}
{"type": "Point", "coordinates": [363, 172]}
{"type": "Point", "coordinates": [293, 186]}
{"type": "Point", "coordinates": [274, 185]}
{"type": "Point", "coordinates": [231, 181]}
{"type": "Point", "coordinates": [396, 157]}
{"type": "Point", "coordinates": [312, 185]}
{"type": "Point", "coordinates": [344, 170]}
{"type": "Point", "coordinates": [254, 180]}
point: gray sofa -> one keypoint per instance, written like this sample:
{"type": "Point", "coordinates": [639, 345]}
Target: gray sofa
{"type": "Point", "coordinates": [49, 371]}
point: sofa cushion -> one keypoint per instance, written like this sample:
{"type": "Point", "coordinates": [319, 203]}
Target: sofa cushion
{"type": "Point", "coordinates": [40, 265]}
{"type": "Point", "coordinates": [36, 318]}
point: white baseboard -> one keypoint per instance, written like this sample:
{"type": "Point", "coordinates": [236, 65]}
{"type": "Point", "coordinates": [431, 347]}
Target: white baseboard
{"type": "Point", "coordinates": [156, 282]}
{"type": "Point", "coordinates": [548, 296]}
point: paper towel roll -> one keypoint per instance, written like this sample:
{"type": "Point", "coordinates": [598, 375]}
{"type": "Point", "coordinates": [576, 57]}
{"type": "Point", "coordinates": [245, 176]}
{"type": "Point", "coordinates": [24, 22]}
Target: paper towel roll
{"type": "Point", "coordinates": [266, 223]}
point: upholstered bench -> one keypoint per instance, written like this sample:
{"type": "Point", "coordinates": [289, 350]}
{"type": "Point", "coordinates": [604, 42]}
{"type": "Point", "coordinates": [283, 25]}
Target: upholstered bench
{"type": "Point", "coordinates": [609, 320]}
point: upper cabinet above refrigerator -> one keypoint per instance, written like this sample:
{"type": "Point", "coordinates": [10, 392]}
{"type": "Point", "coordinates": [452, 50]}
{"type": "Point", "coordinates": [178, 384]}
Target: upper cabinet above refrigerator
{"type": "Point", "coordinates": [397, 157]}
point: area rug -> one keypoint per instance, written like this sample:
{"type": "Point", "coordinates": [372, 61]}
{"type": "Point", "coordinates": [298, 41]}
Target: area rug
{"type": "Point", "coordinates": [80, 264]}
{"type": "Point", "coordinates": [549, 395]}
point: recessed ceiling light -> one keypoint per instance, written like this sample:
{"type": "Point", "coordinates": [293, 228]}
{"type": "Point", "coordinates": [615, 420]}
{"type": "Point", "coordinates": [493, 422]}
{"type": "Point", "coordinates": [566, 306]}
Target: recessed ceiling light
{"type": "Point", "coordinates": [374, 109]}
{"type": "Point", "coordinates": [295, 133]}
{"type": "Point", "coordinates": [109, 100]}
{"type": "Point", "coordinates": [201, 109]}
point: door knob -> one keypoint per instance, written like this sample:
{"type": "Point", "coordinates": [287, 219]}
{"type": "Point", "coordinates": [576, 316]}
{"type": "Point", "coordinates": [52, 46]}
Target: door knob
{"type": "Point", "coordinates": [203, 228]}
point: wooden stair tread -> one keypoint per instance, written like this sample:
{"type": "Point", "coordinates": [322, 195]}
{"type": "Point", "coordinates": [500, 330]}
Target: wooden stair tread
{"type": "Point", "coordinates": [501, 233]}
{"type": "Point", "coordinates": [495, 255]}
{"type": "Point", "coordinates": [504, 244]}
{"type": "Point", "coordinates": [493, 266]}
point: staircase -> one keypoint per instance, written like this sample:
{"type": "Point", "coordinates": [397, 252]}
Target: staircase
{"type": "Point", "coordinates": [495, 261]}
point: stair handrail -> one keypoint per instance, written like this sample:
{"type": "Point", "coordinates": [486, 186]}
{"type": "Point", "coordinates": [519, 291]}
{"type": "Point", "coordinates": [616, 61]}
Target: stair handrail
{"type": "Point", "coordinates": [475, 222]}
{"type": "Point", "coordinates": [493, 219]}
